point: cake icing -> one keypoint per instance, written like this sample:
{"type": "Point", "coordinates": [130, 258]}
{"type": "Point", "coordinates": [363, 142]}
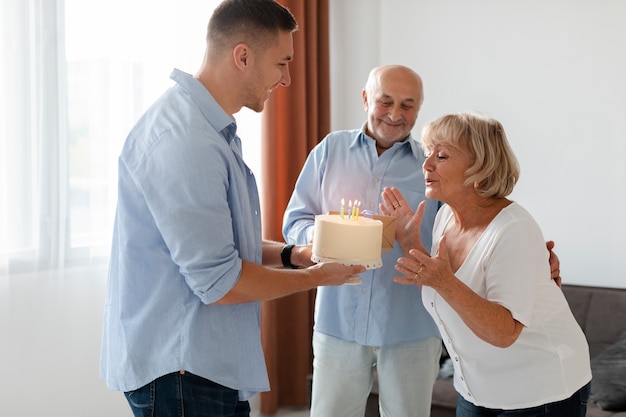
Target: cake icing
{"type": "Point", "coordinates": [354, 241]}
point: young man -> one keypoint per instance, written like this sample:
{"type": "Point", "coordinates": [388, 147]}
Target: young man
{"type": "Point", "coordinates": [188, 264]}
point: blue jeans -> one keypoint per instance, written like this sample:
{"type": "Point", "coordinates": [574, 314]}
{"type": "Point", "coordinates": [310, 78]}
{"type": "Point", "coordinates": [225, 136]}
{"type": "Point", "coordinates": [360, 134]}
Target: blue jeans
{"type": "Point", "coordinates": [185, 394]}
{"type": "Point", "coordinates": [574, 406]}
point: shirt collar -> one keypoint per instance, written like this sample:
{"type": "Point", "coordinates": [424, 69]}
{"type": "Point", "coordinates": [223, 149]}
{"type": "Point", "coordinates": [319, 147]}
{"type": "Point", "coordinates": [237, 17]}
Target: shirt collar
{"type": "Point", "coordinates": [215, 115]}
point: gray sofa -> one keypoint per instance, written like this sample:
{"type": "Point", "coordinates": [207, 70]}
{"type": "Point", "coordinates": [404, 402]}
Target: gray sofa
{"type": "Point", "coordinates": [601, 313]}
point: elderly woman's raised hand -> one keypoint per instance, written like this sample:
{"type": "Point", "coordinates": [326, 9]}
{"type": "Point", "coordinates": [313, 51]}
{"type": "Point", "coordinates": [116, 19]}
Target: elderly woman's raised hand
{"type": "Point", "coordinates": [421, 269]}
{"type": "Point", "coordinates": [407, 223]}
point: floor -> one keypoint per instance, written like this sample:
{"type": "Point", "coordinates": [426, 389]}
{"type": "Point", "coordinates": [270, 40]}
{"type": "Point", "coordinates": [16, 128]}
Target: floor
{"type": "Point", "coordinates": [282, 412]}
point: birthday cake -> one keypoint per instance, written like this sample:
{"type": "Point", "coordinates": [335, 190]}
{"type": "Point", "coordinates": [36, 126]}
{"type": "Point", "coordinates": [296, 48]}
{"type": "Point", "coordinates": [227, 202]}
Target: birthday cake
{"type": "Point", "coordinates": [350, 241]}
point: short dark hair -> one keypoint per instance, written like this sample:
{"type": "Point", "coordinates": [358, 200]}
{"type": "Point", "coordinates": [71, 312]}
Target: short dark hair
{"type": "Point", "coordinates": [252, 21]}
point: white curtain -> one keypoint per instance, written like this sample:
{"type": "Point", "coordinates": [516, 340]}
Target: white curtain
{"type": "Point", "coordinates": [74, 78]}
{"type": "Point", "coordinates": [33, 178]}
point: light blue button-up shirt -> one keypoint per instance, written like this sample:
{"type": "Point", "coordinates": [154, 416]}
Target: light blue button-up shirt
{"type": "Point", "coordinates": [188, 213]}
{"type": "Point", "coordinates": [346, 165]}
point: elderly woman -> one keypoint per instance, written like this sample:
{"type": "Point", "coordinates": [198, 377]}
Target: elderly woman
{"type": "Point", "coordinates": [515, 345]}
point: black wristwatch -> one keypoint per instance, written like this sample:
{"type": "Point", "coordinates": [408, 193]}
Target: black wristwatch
{"type": "Point", "coordinates": [285, 256]}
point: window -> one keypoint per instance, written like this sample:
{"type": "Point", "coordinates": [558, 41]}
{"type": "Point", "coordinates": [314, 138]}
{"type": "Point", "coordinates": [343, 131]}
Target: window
{"type": "Point", "coordinates": [81, 73]}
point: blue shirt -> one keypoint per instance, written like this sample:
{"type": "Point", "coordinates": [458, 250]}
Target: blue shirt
{"type": "Point", "coordinates": [346, 165]}
{"type": "Point", "coordinates": [188, 213]}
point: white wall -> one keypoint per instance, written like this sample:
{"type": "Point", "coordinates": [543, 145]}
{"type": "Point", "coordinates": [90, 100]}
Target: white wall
{"type": "Point", "coordinates": [50, 327]}
{"type": "Point", "coordinates": [554, 73]}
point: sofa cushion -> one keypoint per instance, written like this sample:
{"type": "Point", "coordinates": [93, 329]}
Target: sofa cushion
{"type": "Point", "coordinates": [600, 313]}
{"type": "Point", "coordinates": [608, 388]}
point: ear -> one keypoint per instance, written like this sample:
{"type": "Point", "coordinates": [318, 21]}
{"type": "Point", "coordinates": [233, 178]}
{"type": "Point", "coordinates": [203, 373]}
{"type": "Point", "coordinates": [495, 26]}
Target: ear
{"type": "Point", "coordinates": [242, 56]}
{"type": "Point", "coordinates": [364, 98]}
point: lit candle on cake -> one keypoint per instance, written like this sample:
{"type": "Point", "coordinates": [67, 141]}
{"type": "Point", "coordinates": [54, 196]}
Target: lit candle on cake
{"type": "Point", "coordinates": [353, 215]}
{"type": "Point", "coordinates": [342, 203]}
{"type": "Point", "coordinates": [349, 208]}
{"type": "Point", "coordinates": [357, 209]}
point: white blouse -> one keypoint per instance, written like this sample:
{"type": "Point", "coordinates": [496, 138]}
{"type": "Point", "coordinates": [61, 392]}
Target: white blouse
{"type": "Point", "coordinates": [509, 265]}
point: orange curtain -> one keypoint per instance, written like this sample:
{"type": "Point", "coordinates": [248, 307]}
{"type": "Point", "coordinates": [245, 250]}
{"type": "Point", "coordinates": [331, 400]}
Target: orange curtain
{"type": "Point", "coordinates": [294, 120]}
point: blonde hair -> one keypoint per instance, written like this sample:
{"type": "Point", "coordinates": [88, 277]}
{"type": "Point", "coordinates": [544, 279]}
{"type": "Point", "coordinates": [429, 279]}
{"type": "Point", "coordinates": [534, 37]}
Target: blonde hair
{"type": "Point", "coordinates": [494, 169]}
